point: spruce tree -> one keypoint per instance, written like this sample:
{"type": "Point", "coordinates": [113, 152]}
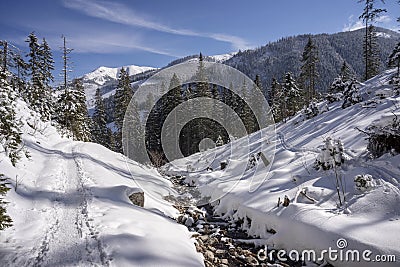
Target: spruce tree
{"type": "Point", "coordinates": [291, 96]}
{"type": "Point", "coordinates": [372, 53]}
{"type": "Point", "coordinates": [394, 59]}
{"type": "Point", "coordinates": [5, 220]}
{"type": "Point", "coordinates": [39, 93]}
{"type": "Point", "coordinates": [100, 132]}
{"type": "Point", "coordinates": [346, 73]}
{"type": "Point", "coordinates": [133, 133]}
{"type": "Point", "coordinates": [276, 100]}
{"type": "Point", "coordinates": [22, 72]}
{"type": "Point", "coordinates": [371, 59]}
{"type": "Point", "coordinates": [46, 68]}
{"type": "Point", "coordinates": [122, 98]}
{"type": "Point", "coordinates": [72, 111]}
{"type": "Point", "coordinates": [351, 94]}
{"type": "Point", "coordinates": [10, 134]}
{"type": "Point", "coordinates": [309, 72]}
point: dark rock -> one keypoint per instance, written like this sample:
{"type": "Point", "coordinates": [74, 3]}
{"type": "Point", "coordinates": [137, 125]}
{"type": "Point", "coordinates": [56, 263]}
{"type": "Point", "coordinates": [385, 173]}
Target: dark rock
{"type": "Point", "coordinates": [137, 197]}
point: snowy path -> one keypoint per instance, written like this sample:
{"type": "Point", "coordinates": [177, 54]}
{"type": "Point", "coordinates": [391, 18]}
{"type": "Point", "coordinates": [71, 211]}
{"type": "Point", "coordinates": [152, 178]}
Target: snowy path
{"type": "Point", "coordinates": [70, 237]}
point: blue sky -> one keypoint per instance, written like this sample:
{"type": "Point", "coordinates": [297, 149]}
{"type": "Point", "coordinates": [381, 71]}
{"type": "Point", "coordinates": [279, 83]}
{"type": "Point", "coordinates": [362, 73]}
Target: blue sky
{"type": "Point", "coordinates": [153, 33]}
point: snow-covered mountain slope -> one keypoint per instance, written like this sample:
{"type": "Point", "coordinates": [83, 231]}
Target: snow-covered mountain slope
{"type": "Point", "coordinates": [371, 220]}
{"type": "Point", "coordinates": [70, 207]}
{"type": "Point", "coordinates": [103, 76]}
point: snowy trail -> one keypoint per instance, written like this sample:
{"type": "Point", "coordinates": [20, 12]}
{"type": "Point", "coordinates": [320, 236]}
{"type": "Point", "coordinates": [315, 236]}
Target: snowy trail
{"type": "Point", "coordinates": [70, 237]}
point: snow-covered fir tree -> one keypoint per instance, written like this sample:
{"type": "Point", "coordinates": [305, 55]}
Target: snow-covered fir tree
{"type": "Point", "coordinates": [10, 133]}
{"type": "Point", "coordinates": [72, 111]}
{"type": "Point", "coordinates": [351, 94]}
{"type": "Point", "coordinates": [39, 92]}
{"type": "Point", "coordinates": [291, 96]}
{"type": "Point", "coordinates": [100, 133]}
{"type": "Point", "coordinates": [5, 220]}
{"type": "Point", "coordinates": [394, 59]}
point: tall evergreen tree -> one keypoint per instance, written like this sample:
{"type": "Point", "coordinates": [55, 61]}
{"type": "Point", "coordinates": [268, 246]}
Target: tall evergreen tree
{"type": "Point", "coordinates": [309, 72]}
{"type": "Point", "coordinates": [100, 133]}
{"type": "Point", "coordinates": [291, 96]}
{"type": "Point", "coordinates": [72, 111]}
{"type": "Point", "coordinates": [39, 94]}
{"type": "Point", "coordinates": [122, 98]}
{"type": "Point", "coordinates": [66, 62]}
{"type": "Point", "coordinates": [277, 100]}
{"type": "Point", "coordinates": [173, 99]}
{"type": "Point", "coordinates": [394, 59]}
{"type": "Point", "coordinates": [133, 133]}
{"type": "Point", "coordinates": [369, 15]}
{"type": "Point", "coordinates": [22, 71]}
{"type": "Point", "coordinates": [5, 220]}
{"type": "Point", "coordinates": [10, 134]}
{"type": "Point", "coordinates": [46, 68]}
{"type": "Point", "coordinates": [346, 73]}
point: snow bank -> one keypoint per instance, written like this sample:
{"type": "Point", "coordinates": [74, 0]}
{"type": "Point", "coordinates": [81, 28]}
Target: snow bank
{"type": "Point", "coordinates": [70, 207]}
{"type": "Point", "coordinates": [369, 220]}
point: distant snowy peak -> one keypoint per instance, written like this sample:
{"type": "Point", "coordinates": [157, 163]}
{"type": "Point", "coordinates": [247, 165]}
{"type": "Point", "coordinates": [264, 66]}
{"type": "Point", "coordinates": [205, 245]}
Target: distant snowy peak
{"type": "Point", "coordinates": [104, 74]}
{"type": "Point", "coordinates": [222, 57]}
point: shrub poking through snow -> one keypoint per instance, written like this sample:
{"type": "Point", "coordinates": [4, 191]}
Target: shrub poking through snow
{"type": "Point", "coordinates": [384, 138]}
{"type": "Point", "coordinates": [311, 111]}
{"type": "Point", "coordinates": [220, 141]}
{"type": "Point", "coordinates": [363, 182]}
{"type": "Point", "coordinates": [331, 157]}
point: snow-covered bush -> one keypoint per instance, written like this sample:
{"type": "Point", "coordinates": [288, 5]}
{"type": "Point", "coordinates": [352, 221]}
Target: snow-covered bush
{"type": "Point", "coordinates": [311, 111]}
{"type": "Point", "coordinates": [331, 98]}
{"type": "Point", "coordinates": [384, 137]}
{"type": "Point", "coordinates": [338, 85]}
{"type": "Point", "coordinates": [363, 182]}
{"type": "Point", "coordinates": [351, 95]}
{"type": "Point", "coordinates": [220, 141]}
{"type": "Point", "coordinates": [331, 155]}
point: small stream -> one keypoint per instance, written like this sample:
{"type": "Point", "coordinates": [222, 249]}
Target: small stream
{"type": "Point", "coordinates": [221, 241]}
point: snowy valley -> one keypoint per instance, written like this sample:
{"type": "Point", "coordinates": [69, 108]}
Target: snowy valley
{"type": "Point", "coordinates": [69, 200]}
{"type": "Point", "coordinates": [260, 134]}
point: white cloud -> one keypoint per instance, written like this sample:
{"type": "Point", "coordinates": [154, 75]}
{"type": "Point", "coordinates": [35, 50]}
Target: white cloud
{"type": "Point", "coordinates": [384, 19]}
{"type": "Point", "coordinates": [119, 13]}
{"type": "Point", "coordinates": [355, 24]}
